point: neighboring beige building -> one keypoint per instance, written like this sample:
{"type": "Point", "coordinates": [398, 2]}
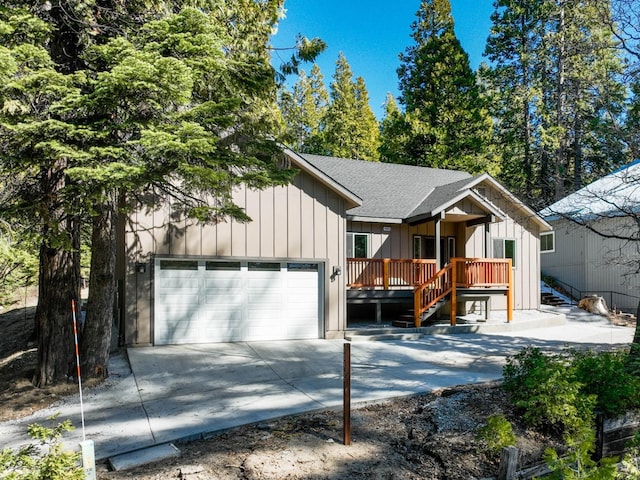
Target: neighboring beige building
{"type": "Point", "coordinates": [594, 247]}
{"type": "Point", "coordinates": [287, 274]}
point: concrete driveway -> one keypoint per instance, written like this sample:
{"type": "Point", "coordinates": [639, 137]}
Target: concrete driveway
{"type": "Point", "coordinates": [189, 391]}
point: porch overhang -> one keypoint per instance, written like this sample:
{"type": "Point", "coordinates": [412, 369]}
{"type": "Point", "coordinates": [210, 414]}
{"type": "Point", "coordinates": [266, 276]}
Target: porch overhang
{"type": "Point", "coordinates": [360, 218]}
{"type": "Point", "coordinates": [455, 210]}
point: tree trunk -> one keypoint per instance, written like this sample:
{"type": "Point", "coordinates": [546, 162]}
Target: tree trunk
{"type": "Point", "coordinates": [96, 335]}
{"type": "Point", "coordinates": [636, 335]}
{"type": "Point", "coordinates": [59, 284]}
{"type": "Point", "coordinates": [561, 150]}
{"type": "Point", "coordinates": [633, 359]}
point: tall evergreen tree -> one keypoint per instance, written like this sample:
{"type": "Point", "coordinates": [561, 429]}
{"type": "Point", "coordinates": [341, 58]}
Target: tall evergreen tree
{"type": "Point", "coordinates": [556, 95]}
{"type": "Point", "coordinates": [449, 126]}
{"type": "Point", "coordinates": [91, 113]}
{"type": "Point", "coordinates": [303, 109]}
{"type": "Point", "coordinates": [350, 127]}
{"type": "Point", "coordinates": [512, 82]}
{"type": "Point", "coordinates": [394, 133]}
{"type": "Point", "coordinates": [368, 128]}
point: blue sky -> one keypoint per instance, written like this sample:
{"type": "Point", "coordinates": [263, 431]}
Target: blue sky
{"type": "Point", "coordinates": [371, 34]}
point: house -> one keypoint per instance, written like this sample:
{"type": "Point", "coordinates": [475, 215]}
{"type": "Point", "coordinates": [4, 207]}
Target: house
{"type": "Point", "coordinates": [345, 234]}
{"type": "Point", "coordinates": [594, 248]}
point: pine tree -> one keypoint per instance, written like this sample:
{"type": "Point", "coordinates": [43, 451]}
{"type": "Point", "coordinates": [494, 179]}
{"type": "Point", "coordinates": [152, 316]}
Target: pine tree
{"type": "Point", "coordinates": [393, 133]}
{"type": "Point", "coordinates": [303, 109]}
{"type": "Point", "coordinates": [92, 114]}
{"type": "Point", "coordinates": [350, 128]}
{"type": "Point", "coordinates": [368, 131]}
{"type": "Point", "coordinates": [556, 95]}
{"type": "Point", "coordinates": [449, 125]}
{"type": "Point", "coordinates": [512, 82]}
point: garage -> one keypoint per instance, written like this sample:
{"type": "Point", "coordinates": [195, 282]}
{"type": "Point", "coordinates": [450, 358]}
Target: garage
{"type": "Point", "coordinates": [229, 300]}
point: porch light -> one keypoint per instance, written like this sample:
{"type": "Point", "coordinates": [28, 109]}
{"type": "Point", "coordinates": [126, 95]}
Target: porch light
{"type": "Point", "coordinates": [337, 270]}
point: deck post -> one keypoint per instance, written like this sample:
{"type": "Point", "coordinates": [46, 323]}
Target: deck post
{"type": "Point", "coordinates": [385, 273]}
{"type": "Point", "coordinates": [417, 316]}
{"type": "Point", "coordinates": [454, 302]}
{"type": "Point", "coordinates": [510, 292]}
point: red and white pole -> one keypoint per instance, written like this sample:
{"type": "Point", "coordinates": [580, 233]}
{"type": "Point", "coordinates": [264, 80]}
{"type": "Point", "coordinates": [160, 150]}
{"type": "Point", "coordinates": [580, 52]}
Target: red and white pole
{"type": "Point", "coordinates": [88, 454]}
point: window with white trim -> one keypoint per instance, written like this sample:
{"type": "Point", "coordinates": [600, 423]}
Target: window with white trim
{"type": "Point", "coordinates": [357, 245]}
{"type": "Point", "coordinates": [548, 242]}
{"type": "Point", "coordinates": [505, 248]}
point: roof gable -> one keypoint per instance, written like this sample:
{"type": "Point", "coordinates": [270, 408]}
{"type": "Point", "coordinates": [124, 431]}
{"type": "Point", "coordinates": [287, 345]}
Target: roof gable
{"type": "Point", "coordinates": [297, 160]}
{"type": "Point", "coordinates": [390, 191]}
{"type": "Point", "coordinates": [397, 193]}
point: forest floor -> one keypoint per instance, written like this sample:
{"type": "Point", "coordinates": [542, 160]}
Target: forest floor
{"type": "Point", "coordinates": [429, 436]}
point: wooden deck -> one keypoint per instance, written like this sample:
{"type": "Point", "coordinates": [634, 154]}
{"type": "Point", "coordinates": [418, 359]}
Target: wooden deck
{"type": "Point", "coordinates": [482, 275]}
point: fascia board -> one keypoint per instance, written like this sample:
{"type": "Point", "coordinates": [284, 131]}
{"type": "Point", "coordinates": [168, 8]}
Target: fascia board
{"type": "Point", "coordinates": [542, 223]}
{"type": "Point", "coordinates": [318, 174]}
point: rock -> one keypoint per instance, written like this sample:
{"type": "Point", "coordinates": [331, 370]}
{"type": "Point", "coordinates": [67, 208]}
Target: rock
{"type": "Point", "coordinates": [594, 304]}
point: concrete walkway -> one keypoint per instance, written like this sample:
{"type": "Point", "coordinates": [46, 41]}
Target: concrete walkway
{"type": "Point", "coordinates": [184, 392]}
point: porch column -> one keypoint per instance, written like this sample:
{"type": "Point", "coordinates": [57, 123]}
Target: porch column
{"type": "Point", "coordinates": [487, 241]}
{"type": "Point", "coordinates": [436, 224]}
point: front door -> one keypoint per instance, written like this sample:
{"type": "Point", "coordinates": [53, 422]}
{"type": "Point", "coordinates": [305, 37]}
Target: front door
{"type": "Point", "coordinates": [425, 247]}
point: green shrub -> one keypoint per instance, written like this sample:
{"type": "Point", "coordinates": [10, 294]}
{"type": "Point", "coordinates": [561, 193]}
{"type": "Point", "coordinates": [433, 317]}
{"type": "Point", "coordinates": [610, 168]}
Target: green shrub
{"type": "Point", "coordinates": [43, 460]}
{"type": "Point", "coordinates": [630, 465]}
{"type": "Point", "coordinates": [496, 434]}
{"type": "Point", "coordinates": [564, 391]}
{"type": "Point", "coordinates": [604, 375]}
{"type": "Point", "coordinates": [577, 463]}
{"type": "Point", "coordinates": [546, 389]}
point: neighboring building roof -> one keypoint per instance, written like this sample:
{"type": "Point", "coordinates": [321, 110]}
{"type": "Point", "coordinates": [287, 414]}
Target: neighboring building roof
{"type": "Point", "coordinates": [389, 191]}
{"type": "Point", "coordinates": [616, 194]}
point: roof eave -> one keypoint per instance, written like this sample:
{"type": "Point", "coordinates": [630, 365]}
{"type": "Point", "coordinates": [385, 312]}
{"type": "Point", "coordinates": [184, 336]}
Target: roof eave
{"type": "Point", "coordinates": [360, 218]}
{"type": "Point", "coordinates": [352, 199]}
{"type": "Point", "coordinates": [440, 210]}
{"type": "Point", "coordinates": [541, 222]}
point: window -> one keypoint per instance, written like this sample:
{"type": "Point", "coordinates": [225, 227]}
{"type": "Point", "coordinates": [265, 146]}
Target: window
{"type": "Point", "coordinates": [231, 266]}
{"type": "Point", "coordinates": [425, 247]}
{"type": "Point", "coordinates": [264, 266]}
{"type": "Point", "coordinates": [547, 242]}
{"type": "Point", "coordinates": [505, 248]}
{"type": "Point", "coordinates": [302, 267]}
{"type": "Point", "coordinates": [178, 265]}
{"type": "Point", "coordinates": [357, 245]}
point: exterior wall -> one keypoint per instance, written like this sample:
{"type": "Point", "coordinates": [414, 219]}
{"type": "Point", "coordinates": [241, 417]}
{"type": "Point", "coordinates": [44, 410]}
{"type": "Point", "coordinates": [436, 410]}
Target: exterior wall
{"type": "Point", "coordinates": [567, 262]}
{"type": "Point", "coordinates": [396, 241]}
{"type": "Point", "coordinates": [304, 221]}
{"type": "Point", "coordinates": [596, 265]}
{"type": "Point", "coordinates": [525, 230]}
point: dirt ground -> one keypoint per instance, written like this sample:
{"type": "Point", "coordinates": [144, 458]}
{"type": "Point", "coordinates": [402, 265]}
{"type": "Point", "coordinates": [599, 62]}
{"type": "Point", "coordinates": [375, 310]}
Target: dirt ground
{"type": "Point", "coordinates": [431, 436]}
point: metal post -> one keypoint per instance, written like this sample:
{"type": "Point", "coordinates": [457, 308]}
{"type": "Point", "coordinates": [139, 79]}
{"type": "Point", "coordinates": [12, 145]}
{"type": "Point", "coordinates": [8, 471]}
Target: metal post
{"type": "Point", "coordinates": [346, 410]}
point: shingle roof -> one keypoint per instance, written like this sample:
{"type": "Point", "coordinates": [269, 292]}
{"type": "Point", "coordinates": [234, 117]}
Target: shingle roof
{"type": "Point", "coordinates": [441, 195]}
{"type": "Point", "coordinates": [390, 190]}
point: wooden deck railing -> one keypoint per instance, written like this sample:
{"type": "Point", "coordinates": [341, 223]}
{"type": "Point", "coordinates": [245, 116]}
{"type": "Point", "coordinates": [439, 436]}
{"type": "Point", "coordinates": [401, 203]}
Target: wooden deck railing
{"type": "Point", "coordinates": [482, 272]}
{"type": "Point", "coordinates": [386, 273]}
{"type": "Point", "coordinates": [430, 285]}
{"type": "Point", "coordinates": [432, 291]}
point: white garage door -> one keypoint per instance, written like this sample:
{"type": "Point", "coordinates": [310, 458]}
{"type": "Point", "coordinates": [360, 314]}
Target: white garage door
{"type": "Point", "coordinates": [203, 301]}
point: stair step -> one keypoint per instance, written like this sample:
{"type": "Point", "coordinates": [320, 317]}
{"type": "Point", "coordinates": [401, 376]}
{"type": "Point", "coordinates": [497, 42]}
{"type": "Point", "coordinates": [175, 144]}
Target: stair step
{"type": "Point", "coordinates": [403, 323]}
{"type": "Point", "coordinates": [550, 299]}
{"type": "Point", "coordinates": [381, 337]}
